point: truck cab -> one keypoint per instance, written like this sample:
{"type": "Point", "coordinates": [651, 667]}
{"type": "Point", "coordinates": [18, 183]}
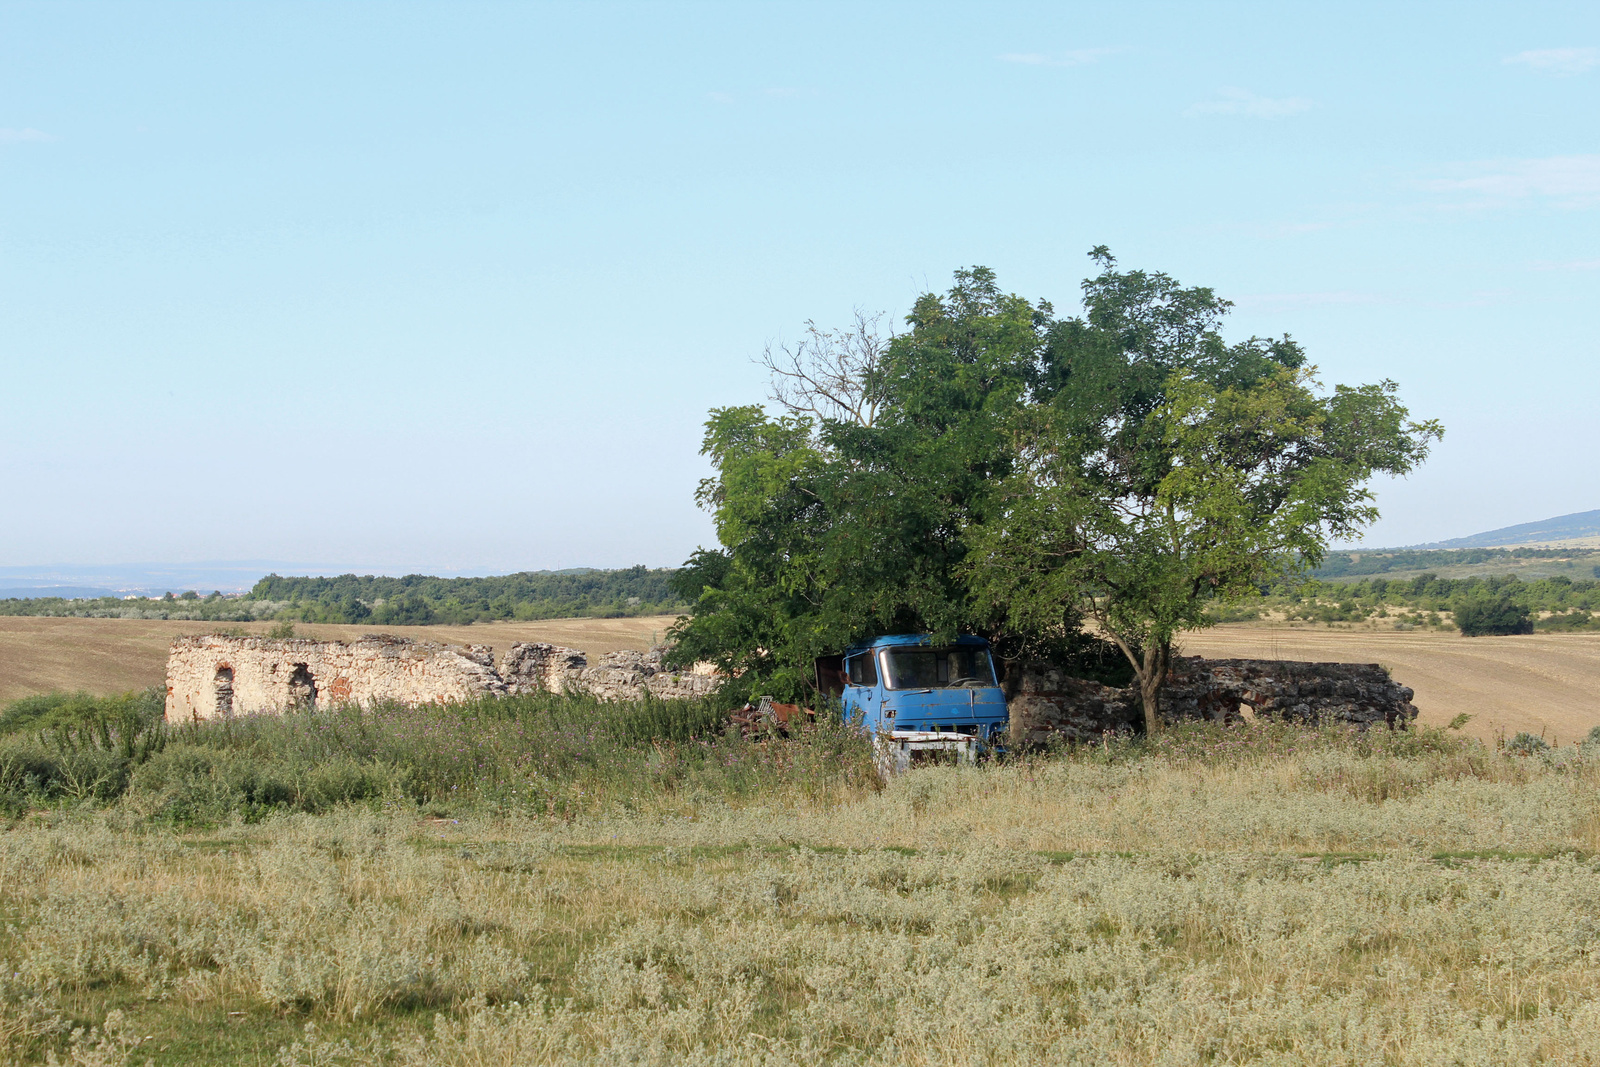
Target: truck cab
{"type": "Point", "coordinates": [918, 698]}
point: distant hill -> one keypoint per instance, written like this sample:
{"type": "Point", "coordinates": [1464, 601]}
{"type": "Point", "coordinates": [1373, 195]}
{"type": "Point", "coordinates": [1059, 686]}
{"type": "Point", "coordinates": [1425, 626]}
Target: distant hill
{"type": "Point", "coordinates": [66, 592]}
{"type": "Point", "coordinates": [1582, 524]}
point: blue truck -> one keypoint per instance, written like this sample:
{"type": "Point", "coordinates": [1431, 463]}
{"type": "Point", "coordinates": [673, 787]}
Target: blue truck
{"type": "Point", "coordinates": [920, 700]}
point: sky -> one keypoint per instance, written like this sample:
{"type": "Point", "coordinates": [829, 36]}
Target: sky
{"type": "Point", "coordinates": [451, 287]}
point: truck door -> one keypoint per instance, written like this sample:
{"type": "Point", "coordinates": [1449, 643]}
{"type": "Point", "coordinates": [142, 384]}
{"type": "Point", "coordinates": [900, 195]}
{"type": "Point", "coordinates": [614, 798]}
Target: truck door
{"type": "Point", "coordinates": [830, 675]}
{"type": "Point", "coordinates": [861, 688]}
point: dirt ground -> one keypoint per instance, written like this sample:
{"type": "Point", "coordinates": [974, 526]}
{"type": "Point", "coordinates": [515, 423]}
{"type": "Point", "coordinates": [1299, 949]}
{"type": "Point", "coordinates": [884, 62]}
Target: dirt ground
{"type": "Point", "coordinates": [1544, 683]}
{"type": "Point", "coordinates": [1547, 684]}
{"type": "Point", "coordinates": [38, 655]}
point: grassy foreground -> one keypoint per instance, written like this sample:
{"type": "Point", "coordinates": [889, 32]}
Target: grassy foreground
{"type": "Point", "coordinates": [1251, 895]}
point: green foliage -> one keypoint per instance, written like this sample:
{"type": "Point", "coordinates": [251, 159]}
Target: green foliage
{"type": "Point", "coordinates": [1168, 470]}
{"type": "Point", "coordinates": [1023, 471]}
{"type": "Point", "coordinates": [1573, 603]}
{"type": "Point", "coordinates": [129, 725]}
{"type": "Point", "coordinates": [835, 531]}
{"type": "Point", "coordinates": [414, 599]}
{"type": "Point", "coordinates": [76, 746]}
{"type": "Point", "coordinates": [281, 631]}
{"type": "Point", "coordinates": [215, 608]}
{"type": "Point", "coordinates": [417, 599]}
{"type": "Point", "coordinates": [1482, 615]}
{"type": "Point", "coordinates": [537, 753]}
{"type": "Point", "coordinates": [1526, 744]}
{"type": "Point", "coordinates": [1569, 622]}
{"type": "Point", "coordinates": [1351, 564]}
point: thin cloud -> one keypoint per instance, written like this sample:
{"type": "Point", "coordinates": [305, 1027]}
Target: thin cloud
{"type": "Point", "coordinates": [1349, 298]}
{"type": "Point", "coordinates": [1243, 102]}
{"type": "Point", "coordinates": [1561, 61]}
{"type": "Point", "coordinates": [1295, 229]}
{"type": "Point", "coordinates": [1570, 264]}
{"type": "Point", "coordinates": [1567, 181]}
{"type": "Point", "coordinates": [1325, 299]}
{"type": "Point", "coordinates": [19, 136]}
{"type": "Point", "coordinates": [1077, 57]}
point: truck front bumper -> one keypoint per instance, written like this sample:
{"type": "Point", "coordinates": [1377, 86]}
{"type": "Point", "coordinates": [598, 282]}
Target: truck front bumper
{"type": "Point", "coordinates": [897, 751]}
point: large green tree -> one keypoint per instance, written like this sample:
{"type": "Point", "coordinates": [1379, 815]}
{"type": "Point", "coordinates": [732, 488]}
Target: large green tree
{"type": "Point", "coordinates": [1162, 469]}
{"type": "Point", "coordinates": [1020, 472]}
{"type": "Point", "coordinates": [835, 527]}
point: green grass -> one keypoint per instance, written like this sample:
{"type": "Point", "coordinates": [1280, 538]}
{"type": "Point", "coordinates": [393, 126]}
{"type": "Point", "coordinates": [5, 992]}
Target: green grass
{"type": "Point", "coordinates": [1257, 894]}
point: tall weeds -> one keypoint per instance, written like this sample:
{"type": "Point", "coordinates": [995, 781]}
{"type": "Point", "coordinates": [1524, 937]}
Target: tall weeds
{"type": "Point", "coordinates": [539, 753]}
{"type": "Point", "coordinates": [1266, 895]}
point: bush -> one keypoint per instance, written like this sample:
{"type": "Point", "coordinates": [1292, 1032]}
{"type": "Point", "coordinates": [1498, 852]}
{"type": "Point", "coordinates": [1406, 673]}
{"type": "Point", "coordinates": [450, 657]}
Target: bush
{"type": "Point", "coordinates": [1570, 622]}
{"type": "Point", "coordinates": [1482, 616]}
{"type": "Point", "coordinates": [1526, 744]}
{"type": "Point", "coordinates": [199, 784]}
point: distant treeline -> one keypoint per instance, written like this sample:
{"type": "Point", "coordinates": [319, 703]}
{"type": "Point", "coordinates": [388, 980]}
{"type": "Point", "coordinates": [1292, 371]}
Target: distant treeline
{"type": "Point", "coordinates": [1573, 603]}
{"type": "Point", "coordinates": [417, 599]}
{"type": "Point", "coordinates": [413, 600]}
{"type": "Point", "coordinates": [1433, 593]}
{"type": "Point", "coordinates": [212, 608]}
{"type": "Point", "coordinates": [1349, 564]}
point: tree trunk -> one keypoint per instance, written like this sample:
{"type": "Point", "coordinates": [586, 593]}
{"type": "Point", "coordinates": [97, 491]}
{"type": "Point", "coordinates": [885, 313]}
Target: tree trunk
{"type": "Point", "coordinates": [1152, 674]}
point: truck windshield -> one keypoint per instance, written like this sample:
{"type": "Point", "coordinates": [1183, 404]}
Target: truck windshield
{"type": "Point", "coordinates": [939, 668]}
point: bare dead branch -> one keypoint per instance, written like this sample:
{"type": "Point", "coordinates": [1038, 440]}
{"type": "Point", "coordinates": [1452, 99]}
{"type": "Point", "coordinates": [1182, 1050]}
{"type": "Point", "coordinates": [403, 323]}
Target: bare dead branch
{"type": "Point", "coordinates": [830, 374]}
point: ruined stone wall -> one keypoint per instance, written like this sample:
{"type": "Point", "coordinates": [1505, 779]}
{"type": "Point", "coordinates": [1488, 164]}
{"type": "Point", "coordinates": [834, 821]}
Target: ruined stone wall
{"type": "Point", "coordinates": [1216, 689]}
{"type": "Point", "coordinates": [1047, 704]}
{"type": "Point", "coordinates": [616, 676]}
{"type": "Point", "coordinates": [212, 676]}
{"type": "Point", "coordinates": [215, 676]}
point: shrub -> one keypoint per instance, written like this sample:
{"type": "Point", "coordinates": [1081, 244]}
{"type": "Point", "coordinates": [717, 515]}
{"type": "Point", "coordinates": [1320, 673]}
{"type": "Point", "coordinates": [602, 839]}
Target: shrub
{"type": "Point", "coordinates": [1526, 744]}
{"type": "Point", "coordinates": [1570, 622]}
{"type": "Point", "coordinates": [1481, 616]}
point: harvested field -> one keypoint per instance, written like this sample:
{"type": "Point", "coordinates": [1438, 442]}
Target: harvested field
{"type": "Point", "coordinates": [1543, 683]}
{"type": "Point", "coordinates": [103, 656]}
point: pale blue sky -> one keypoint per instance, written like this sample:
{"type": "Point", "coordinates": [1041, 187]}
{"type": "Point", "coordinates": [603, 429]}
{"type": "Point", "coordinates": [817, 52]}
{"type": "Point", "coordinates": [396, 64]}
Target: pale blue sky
{"type": "Point", "coordinates": [451, 286]}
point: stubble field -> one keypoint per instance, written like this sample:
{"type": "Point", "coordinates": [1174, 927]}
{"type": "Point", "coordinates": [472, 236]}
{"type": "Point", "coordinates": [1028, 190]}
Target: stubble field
{"type": "Point", "coordinates": [105, 656]}
{"type": "Point", "coordinates": [1545, 683]}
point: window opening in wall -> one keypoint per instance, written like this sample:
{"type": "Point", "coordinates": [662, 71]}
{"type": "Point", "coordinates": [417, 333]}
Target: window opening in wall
{"type": "Point", "coordinates": [224, 689]}
{"type": "Point", "coordinates": [302, 688]}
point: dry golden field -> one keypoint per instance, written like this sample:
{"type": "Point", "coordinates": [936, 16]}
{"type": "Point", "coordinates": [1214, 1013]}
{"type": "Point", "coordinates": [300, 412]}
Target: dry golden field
{"type": "Point", "coordinates": [1544, 683]}
{"type": "Point", "coordinates": [103, 656]}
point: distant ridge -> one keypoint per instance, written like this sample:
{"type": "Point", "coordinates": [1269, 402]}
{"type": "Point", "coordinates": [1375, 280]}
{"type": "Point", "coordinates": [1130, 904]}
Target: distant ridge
{"type": "Point", "coordinates": [65, 592]}
{"type": "Point", "coordinates": [1561, 528]}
